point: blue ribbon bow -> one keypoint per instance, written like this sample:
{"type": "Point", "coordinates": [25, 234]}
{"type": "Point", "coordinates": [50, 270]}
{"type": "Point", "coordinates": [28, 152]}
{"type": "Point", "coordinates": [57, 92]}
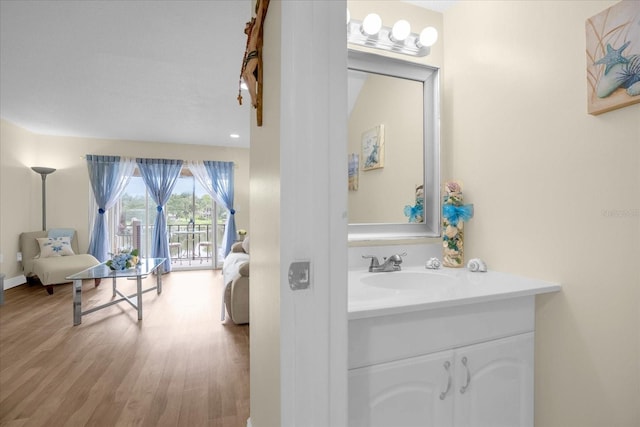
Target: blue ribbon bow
{"type": "Point", "coordinates": [453, 213]}
{"type": "Point", "coordinates": [413, 212]}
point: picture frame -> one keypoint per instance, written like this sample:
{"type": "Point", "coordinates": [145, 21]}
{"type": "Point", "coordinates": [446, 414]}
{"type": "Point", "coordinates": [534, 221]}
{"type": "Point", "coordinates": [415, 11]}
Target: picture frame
{"type": "Point", "coordinates": [354, 171]}
{"type": "Point", "coordinates": [373, 148]}
{"type": "Point", "coordinates": [613, 58]}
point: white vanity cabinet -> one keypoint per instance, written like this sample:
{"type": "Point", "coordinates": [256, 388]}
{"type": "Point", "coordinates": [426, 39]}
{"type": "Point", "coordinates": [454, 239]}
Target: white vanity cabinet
{"type": "Point", "coordinates": [498, 376]}
{"type": "Point", "coordinates": [409, 392]}
{"type": "Point", "coordinates": [467, 365]}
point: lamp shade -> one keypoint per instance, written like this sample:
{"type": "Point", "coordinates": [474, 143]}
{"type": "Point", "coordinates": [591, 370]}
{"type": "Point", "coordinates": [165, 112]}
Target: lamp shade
{"type": "Point", "coordinates": [42, 170]}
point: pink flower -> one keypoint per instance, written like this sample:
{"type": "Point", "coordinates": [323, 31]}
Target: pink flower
{"type": "Point", "coordinates": [453, 187]}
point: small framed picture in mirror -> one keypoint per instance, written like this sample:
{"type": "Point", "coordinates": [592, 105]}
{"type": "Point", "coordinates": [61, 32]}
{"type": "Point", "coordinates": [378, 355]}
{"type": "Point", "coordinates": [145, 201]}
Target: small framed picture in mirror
{"type": "Point", "coordinates": [354, 166]}
{"type": "Point", "coordinates": [373, 148]}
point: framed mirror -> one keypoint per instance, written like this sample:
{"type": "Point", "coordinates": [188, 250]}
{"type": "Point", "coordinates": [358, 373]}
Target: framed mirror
{"type": "Point", "coordinates": [394, 148]}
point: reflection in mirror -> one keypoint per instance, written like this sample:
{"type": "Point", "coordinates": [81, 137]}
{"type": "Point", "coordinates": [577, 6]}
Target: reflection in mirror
{"type": "Point", "coordinates": [382, 194]}
{"type": "Point", "coordinates": [394, 137]}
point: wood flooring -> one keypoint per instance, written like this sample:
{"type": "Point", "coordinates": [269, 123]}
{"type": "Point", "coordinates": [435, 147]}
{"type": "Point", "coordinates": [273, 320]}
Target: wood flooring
{"type": "Point", "coordinates": [179, 366]}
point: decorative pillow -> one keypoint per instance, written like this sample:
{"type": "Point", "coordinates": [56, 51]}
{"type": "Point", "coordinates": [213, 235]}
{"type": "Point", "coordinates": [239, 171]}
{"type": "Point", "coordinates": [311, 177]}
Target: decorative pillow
{"type": "Point", "coordinates": [58, 246]}
{"type": "Point", "coordinates": [245, 244]}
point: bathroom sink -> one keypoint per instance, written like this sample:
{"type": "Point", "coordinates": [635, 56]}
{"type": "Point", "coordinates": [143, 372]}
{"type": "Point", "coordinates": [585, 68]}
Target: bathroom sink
{"type": "Point", "coordinates": [410, 280]}
{"type": "Point", "coordinates": [417, 288]}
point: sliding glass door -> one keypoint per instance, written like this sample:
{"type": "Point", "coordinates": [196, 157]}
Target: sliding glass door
{"type": "Point", "coordinates": [195, 224]}
{"type": "Point", "coordinates": [192, 237]}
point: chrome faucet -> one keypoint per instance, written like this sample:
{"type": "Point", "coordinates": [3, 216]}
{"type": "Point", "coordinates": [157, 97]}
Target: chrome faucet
{"type": "Point", "coordinates": [391, 263]}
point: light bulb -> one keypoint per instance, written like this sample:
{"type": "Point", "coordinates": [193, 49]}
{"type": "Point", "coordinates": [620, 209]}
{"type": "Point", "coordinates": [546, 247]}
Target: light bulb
{"type": "Point", "coordinates": [371, 24]}
{"type": "Point", "coordinates": [428, 36]}
{"type": "Point", "coordinates": [400, 30]}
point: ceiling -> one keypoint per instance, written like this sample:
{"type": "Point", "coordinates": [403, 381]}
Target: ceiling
{"type": "Point", "coordinates": [163, 71]}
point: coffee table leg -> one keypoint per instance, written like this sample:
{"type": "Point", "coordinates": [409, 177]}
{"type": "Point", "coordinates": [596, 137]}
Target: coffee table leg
{"type": "Point", "coordinates": [159, 278]}
{"type": "Point", "coordinates": [139, 291]}
{"type": "Point", "coordinates": [77, 302]}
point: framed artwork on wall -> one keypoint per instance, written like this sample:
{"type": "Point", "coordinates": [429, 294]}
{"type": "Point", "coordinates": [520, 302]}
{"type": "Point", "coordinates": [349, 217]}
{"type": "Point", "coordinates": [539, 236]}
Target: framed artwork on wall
{"type": "Point", "coordinates": [613, 57]}
{"type": "Point", "coordinates": [373, 148]}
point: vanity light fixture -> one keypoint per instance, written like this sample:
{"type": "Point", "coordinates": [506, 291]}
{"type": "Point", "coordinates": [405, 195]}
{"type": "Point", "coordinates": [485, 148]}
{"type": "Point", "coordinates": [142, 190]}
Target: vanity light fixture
{"type": "Point", "coordinates": [371, 25]}
{"type": "Point", "coordinates": [399, 39]}
{"type": "Point", "coordinates": [428, 36]}
{"type": "Point", "coordinates": [400, 30]}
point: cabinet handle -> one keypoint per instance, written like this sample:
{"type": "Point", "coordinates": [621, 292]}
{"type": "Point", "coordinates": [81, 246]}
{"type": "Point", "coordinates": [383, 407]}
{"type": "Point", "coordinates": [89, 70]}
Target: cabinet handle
{"type": "Point", "coordinates": [443, 394]}
{"type": "Point", "coordinates": [466, 386]}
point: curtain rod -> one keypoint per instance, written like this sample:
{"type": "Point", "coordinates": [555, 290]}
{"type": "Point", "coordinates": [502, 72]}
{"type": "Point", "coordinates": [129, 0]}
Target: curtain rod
{"type": "Point", "coordinates": [236, 165]}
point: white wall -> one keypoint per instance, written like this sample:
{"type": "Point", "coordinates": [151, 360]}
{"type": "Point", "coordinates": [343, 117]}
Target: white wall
{"type": "Point", "coordinates": [265, 249]}
{"type": "Point", "coordinates": [556, 194]}
{"type": "Point", "coordinates": [299, 202]}
{"type": "Point", "coordinates": [68, 189]}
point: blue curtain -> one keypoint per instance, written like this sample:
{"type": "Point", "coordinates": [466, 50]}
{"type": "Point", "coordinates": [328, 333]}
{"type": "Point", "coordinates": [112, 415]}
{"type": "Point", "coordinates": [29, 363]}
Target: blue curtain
{"type": "Point", "coordinates": [109, 176]}
{"type": "Point", "coordinates": [221, 174]}
{"type": "Point", "coordinates": [160, 176]}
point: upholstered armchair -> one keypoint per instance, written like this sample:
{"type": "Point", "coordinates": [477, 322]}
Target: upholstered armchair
{"type": "Point", "coordinates": [53, 255]}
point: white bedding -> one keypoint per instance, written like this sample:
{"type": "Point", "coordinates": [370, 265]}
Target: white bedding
{"type": "Point", "coordinates": [232, 264]}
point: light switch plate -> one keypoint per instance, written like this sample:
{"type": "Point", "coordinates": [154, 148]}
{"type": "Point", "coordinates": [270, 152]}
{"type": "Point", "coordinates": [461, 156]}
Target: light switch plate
{"type": "Point", "coordinates": [299, 275]}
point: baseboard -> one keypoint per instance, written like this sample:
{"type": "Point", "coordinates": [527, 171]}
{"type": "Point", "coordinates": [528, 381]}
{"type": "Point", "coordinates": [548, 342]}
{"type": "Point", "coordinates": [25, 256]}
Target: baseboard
{"type": "Point", "coordinates": [14, 281]}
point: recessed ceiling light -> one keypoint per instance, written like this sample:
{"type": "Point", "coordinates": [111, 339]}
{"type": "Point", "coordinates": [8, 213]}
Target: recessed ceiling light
{"type": "Point", "coordinates": [234, 135]}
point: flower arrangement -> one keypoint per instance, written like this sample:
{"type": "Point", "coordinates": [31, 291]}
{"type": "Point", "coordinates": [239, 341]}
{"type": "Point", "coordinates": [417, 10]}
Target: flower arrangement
{"type": "Point", "coordinates": [454, 213]}
{"type": "Point", "coordinates": [416, 213]}
{"type": "Point", "coordinates": [125, 258]}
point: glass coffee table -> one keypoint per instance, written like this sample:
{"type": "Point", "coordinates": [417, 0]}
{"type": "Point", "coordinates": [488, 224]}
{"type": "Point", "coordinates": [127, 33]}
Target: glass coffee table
{"type": "Point", "coordinates": [102, 271]}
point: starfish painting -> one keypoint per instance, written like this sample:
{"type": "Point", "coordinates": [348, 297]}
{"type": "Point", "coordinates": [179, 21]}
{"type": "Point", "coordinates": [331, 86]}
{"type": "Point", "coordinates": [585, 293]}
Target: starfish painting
{"type": "Point", "coordinates": [613, 57]}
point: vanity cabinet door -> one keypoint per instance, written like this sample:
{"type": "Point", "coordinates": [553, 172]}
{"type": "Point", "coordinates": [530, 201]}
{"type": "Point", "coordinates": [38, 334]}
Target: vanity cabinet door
{"type": "Point", "coordinates": [412, 392]}
{"type": "Point", "coordinates": [494, 383]}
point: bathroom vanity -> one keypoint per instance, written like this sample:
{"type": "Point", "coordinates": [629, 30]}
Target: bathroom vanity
{"type": "Point", "coordinates": [443, 347]}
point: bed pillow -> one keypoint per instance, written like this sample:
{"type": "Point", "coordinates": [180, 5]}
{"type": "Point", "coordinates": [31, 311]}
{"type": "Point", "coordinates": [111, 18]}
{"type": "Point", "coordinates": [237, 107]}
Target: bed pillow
{"type": "Point", "coordinates": [54, 246]}
{"type": "Point", "coordinates": [245, 244]}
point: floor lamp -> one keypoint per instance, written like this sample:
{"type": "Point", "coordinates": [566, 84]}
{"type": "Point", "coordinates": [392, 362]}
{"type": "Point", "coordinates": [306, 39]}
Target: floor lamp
{"type": "Point", "coordinates": [43, 173]}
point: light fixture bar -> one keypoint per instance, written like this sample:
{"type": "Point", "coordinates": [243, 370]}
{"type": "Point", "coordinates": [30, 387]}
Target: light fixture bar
{"type": "Point", "coordinates": [383, 40]}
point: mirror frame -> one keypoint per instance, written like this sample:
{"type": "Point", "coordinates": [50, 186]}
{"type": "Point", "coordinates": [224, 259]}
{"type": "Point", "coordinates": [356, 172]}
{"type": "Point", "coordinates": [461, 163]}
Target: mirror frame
{"type": "Point", "coordinates": [430, 78]}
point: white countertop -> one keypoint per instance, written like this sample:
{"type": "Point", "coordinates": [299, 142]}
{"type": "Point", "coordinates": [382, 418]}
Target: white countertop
{"type": "Point", "coordinates": [406, 290]}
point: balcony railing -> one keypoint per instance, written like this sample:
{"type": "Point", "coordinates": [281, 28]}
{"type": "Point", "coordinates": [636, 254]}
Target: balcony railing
{"type": "Point", "coordinates": [186, 242]}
